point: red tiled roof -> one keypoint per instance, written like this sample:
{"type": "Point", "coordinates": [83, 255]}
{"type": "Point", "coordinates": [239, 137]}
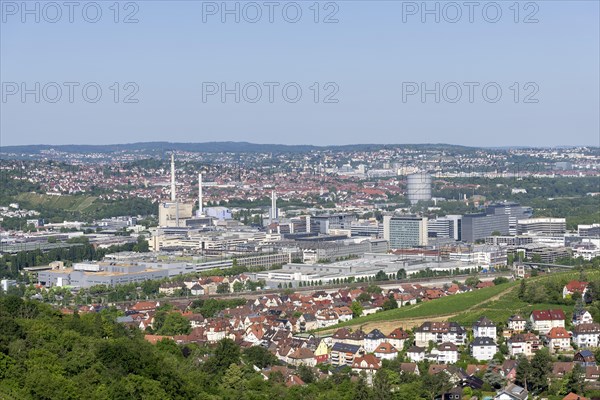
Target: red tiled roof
{"type": "Point", "coordinates": [548, 315]}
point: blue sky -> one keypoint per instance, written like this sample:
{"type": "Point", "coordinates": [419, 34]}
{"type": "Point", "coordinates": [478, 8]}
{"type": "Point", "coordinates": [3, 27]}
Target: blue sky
{"type": "Point", "coordinates": [367, 61]}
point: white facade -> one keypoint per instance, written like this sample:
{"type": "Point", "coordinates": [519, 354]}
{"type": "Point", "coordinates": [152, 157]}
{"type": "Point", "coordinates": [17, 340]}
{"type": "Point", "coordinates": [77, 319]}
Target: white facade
{"type": "Point", "coordinates": [543, 323]}
{"type": "Point", "coordinates": [446, 353]}
{"type": "Point", "coordinates": [484, 328]}
{"type": "Point", "coordinates": [517, 323]}
{"type": "Point", "coordinates": [483, 349]}
{"type": "Point", "coordinates": [586, 335]}
{"type": "Point", "coordinates": [416, 354]}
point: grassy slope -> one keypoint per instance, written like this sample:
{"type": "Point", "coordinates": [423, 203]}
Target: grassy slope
{"type": "Point", "coordinates": [509, 304]}
{"type": "Point", "coordinates": [497, 303]}
{"type": "Point", "coordinates": [449, 305]}
{"type": "Point", "coordinates": [68, 203]}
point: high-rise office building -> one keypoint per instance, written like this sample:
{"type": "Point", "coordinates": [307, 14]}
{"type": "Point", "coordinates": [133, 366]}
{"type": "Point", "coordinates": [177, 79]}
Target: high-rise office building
{"type": "Point", "coordinates": [478, 226]}
{"type": "Point", "coordinates": [445, 227]}
{"type": "Point", "coordinates": [405, 232]}
{"type": "Point", "coordinates": [323, 223]}
{"type": "Point", "coordinates": [515, 212]}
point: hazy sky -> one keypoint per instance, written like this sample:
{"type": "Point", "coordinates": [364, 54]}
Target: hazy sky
{"type": "Point", "coordinates": [361, 78]}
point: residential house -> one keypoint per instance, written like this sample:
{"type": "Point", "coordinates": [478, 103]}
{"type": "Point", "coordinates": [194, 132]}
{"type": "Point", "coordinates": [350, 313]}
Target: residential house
{"type": "Point", "coordinates": [307, 322]}
{"type": "Point", "coordinates": [484, 327]}
{"type": "Point", "coordinates": [516, 323]}
{"type": "Point", "coordinates": [483, 348]}
{"type": "Point", "coordinates": [373, 339]}
{"type": "Point", "coordinates": [415, 353]}
{"type": "Point", "coordinates": [574, 396]}
{"type": "Point", "coordinates": [326, 318]}
{"type": "Point", "coordinates": [523, 343]}
{"type": "Point", "coordinates": [575, 287]}
{"type": "Point", "coordinates": [345, 335]}
{"type": "Point", "coordinates": [397, 338]}
{"type": "Point", "coordinates": [145, 306]}
{"type": "Point", "coordinates": [582, 317]}
{"type": "Point", "coordinates": [197, 290]}
{"type": "Point", "coordinates": [170, 288]}
{"type": "Point", "coordinates": [367, 363]}
{"type": "Point", "coordinates": [558, 339]}
{"type": "Point", "coordinates": [385, 351]}
{"type": "Point", "coordinates": [254, 334]}
{"type": "Point", "coordinates": [544, 320]}
{"type": "Point", "coordinates": [586, 335]}
{"type": "Point", "coordinates": [302, 356]}
{"type": "Point", "coordinates": [410, 368]}
{"type": "Point", "coordinates": [592, 373]}
{"type": "Point", "coordinates": [585, 358]}
{"type": "Point", "coordinates": [486, 284]}
{"type": "Point", "coordinates": [216, 330]}
{"type": "Point", "coordinates": [344, 313]}
{"type": "Point", "coordinates": [512, 392]}
{"type": "Point", "coordinates": [440, 332]}
{"type": "Point", "coordinates": [456, 393]}
{"type": "Point", "coordinates": [447, 353]}
{"type": "Point", "coordinates": [322, 352]}
{"type": "Point", "coordinates": [344, 354]}
{"type": "Point", "coordinates": [405, 299]}
{"type": "Point", "coordinates": [370, 309]}
{"type": "Point", "coordinates": [561, 368]}
{"type": "Point", "coordinates": [509, 370]}
{"type": "Point", "coordinates": [196, 320]}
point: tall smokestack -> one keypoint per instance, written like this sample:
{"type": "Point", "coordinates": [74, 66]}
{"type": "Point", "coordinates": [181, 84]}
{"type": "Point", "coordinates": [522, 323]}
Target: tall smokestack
{"type": "Point", "coordinates": [173, 194]}
{"type": "Point", "coordinates": [273, 206]}
{"type": "Point", "coordinates": [200, 211]}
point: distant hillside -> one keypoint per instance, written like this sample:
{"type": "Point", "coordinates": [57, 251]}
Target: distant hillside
{"type": "Point", "coordinates": [215, 147]}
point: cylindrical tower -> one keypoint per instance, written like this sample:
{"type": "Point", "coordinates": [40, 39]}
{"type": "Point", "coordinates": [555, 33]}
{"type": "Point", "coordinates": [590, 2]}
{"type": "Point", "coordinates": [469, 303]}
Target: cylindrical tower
{"type": "Point", "coordinates": [419, 187]}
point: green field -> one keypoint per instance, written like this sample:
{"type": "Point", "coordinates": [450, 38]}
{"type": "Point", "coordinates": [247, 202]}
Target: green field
{"type": "Point", "coordinates": [497, 303]}
{"type": "Point", "coordinates": [450, 305]}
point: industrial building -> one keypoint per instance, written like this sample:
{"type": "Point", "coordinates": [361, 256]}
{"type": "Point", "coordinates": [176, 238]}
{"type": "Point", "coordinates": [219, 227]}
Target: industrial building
{"type": "Point", "coordinates": [314, 251]}
{"type": "Point", "coordinates": [365, 267]}
{"type": "Point", "coordinates": [174, 213]}
{"type": "Point", "coordinates": [592, 230]}
{"type": "Point", "coordinates": [367, 228]}
{"type": "Point", "coordinates": [110, 274]}
{"type": "Point", "coordinates": [542, 226]}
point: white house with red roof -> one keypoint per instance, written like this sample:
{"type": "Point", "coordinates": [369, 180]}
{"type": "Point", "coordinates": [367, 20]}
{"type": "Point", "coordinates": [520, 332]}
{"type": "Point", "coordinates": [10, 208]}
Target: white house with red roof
{"type": "Point", "coordinates": [575, 287]}
{"type": "Point", "coordinates": [559, 339]}
{"type": "Point", "coordinates": [544, 320]}
{"type": "Point", "coordinates": [397, 338]}
{"type": "Point", "coordinates": [368, 363]}
{"type": "Point", "coordinates": [386, 351]}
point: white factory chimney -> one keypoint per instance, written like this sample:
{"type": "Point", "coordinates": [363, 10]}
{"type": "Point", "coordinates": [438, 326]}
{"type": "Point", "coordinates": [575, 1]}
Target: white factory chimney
{"type": "Point", "coordinates": [273, 206]}
{"type": "Point", "coordinates": [200, 211]}
{"type": "Point", "coordinates": [173, 194]}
